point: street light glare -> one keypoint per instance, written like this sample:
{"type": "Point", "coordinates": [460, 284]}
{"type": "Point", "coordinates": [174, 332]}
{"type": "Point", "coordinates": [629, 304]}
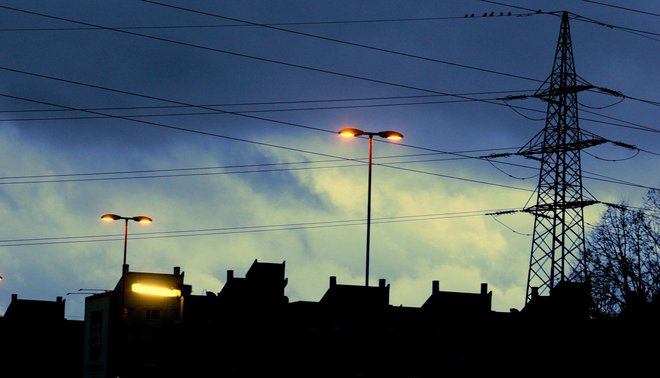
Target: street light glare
{"type": "Point", "coordinates": [350, 132]}
{"type": "Point", "coordinates": [391, 135]}
{"type": "Point", "coordinates": [142, 219]}
{"type": "Point", "coordinates": [110, 217]}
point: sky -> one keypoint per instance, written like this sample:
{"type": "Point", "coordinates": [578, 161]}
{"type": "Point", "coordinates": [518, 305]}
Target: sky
{"type": "Point", "coordinates": [219, 121]}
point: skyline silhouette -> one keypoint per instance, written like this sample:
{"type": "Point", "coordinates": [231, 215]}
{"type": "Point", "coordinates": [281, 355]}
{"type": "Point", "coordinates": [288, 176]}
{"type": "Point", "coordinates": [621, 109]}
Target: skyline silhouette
{"type": "Point", "coordinates": [98, 102]}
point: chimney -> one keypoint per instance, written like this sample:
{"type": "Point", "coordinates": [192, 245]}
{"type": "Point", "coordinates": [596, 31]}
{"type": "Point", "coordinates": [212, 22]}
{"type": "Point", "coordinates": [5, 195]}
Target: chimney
{"type": "Point", "coordinates": [177, 271]}
{"type": "Point", "coordinates": [14, 297]}
{"type": "Point", "coordinates": [436, 287]}
{"type": "Point", "coordinates": [484, 288]}
{"type": "Point", "coordinates": [381, 282]}
{"type": "Point", "coordinates": [333, 281]}
{"type": "Point", "coordinates": [230, 275]}
{"type": "Point", "coordinates": [58, 299]}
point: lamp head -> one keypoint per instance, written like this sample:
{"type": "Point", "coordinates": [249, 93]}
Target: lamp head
{"type": "Point", "coordinates": [142, 219]}
{"type": "Point", "coordinates": [391, 135]}
{"type": "Point", "coordinates": [114, 217]}
{"type": "Point", "coordinates": [110, 217]}
{"type": "Point", "coordinates": [350, 132]}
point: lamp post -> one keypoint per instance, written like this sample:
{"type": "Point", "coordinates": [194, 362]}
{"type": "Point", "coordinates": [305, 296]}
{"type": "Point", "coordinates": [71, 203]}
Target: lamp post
{"type": "Point", "coordinates": [114, 217]}
{"type": "Point", "coordinates": [124, 312]}
{"type": "Point", "coordinates": [392, 135]}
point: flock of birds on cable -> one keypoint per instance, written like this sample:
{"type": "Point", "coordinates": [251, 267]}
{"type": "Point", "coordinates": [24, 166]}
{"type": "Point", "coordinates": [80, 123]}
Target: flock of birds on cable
{"type": "Point", "coordinates": [486, 14]}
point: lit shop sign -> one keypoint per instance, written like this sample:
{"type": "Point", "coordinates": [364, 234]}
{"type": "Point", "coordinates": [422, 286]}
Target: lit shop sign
{"type": "Point", "coordinates": [159, 291]}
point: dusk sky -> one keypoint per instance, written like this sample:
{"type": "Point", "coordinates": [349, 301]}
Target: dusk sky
{"type": "Point", "coordinates": [219, 120]}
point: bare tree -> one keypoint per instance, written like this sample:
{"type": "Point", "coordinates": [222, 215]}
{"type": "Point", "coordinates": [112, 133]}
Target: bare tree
{"type": "Point", "coordinates": [623, 256]}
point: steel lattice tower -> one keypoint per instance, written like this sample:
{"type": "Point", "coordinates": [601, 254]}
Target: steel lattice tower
{"type": "Point", "coordinates": [558, 240]}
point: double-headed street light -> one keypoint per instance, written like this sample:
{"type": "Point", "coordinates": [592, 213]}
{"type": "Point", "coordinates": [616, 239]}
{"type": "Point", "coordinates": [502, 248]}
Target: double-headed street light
{"type": "Point", "coordinates": [392, 135]}
{"type": "Point", "coordinates": [114, 217]}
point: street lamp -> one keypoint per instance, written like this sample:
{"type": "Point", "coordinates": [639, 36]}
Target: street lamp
{"type": "Point", "coordinates": [392, 135]}
{"type": "Point", "coordinates": [114, 217]}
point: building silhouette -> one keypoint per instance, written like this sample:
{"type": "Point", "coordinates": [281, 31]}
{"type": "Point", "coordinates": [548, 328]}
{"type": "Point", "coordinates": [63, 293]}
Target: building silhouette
{"type": "Point", "coordinates": [151, 325]}
{"type": "Point", "coordinates": [37, 341]}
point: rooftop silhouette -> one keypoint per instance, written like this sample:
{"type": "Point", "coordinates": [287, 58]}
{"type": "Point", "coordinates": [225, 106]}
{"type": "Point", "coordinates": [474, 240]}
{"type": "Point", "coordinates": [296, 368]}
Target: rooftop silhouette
{"type": "Point", "coordinates": [250, 328]}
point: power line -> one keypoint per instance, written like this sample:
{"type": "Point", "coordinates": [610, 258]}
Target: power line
{"type": "Point", "coordinates": [611, 180]}
{"type": "Point", "coordinates": [218, 135]}
{"type": "Point", "coordinates": [176, 172]}
{"type": "Point", "coordinates": [648, 152]}
{"type": "Point", "coordinates": [628, 125]}
{"type": "Point", "coordinates": [508, 227]}
{"type": "Point", "coordinates": [293, 65]}
{"type": "Point", "coordinates": [130, 118]}
{"type": "Point", "coordinates": [620, 7]}
{"type": "Point", "coordinates": [186, 104]}
{"type": "Point", "coordinates": [631, 125]}
{"type": "Point", "coordinates": [262, 228]}
{"type": "Point", "coordinates": [408, 55]}
{"type": "Point", "coordinates": [242, 229]}
{"type": "Point", "coordinates": [640, 33]}
{"type": "Point", "coordinates": [257, 58]}
{"type": "Point", "coordinates": [261, 103]}
{"type": "Point", "coordinates": [588, 87]}
{"type": "Point", "coordinates": [180, 103]}
{"type": "Point", "coordinates": [232, 138]}
{"type": "Point", "coordinates": [300, 23]}
{"type": "Point", "coordinates": [637, 32]}
{"type": "Point", "coordinates": [262, 143]}
{"type": "Point", "coordinates": [214, 111]}
{"type": "Point", "coordinates": [240, 112]}
{"type": "Point", "coordinates": [259, 165]}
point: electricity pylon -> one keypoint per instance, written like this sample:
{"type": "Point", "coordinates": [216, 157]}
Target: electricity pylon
{"type": "Point", "coordinates": [558, 241]}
